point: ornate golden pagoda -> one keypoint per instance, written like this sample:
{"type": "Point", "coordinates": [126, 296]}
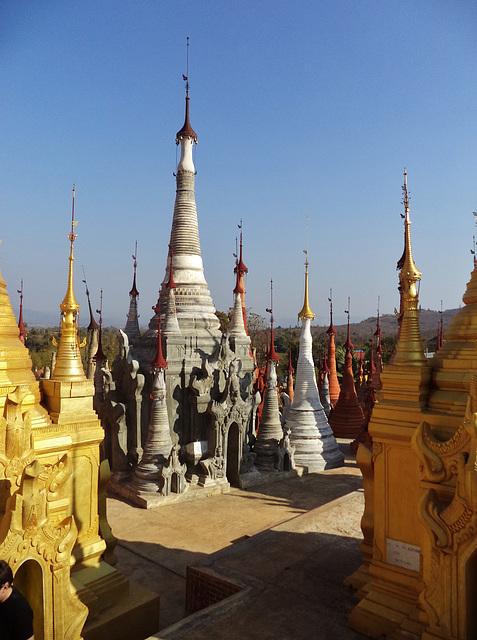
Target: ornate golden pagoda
{"type": "Point", "coordinates": [68, 361]}
{"type": "Point", "coordinates": [390, 579]}
{"type": "Point", "coordinates": [409, 349]}
{"type": "Point", "coordinates": [68, 396]}
{"type": "Point", "coordinates": [37, 529]}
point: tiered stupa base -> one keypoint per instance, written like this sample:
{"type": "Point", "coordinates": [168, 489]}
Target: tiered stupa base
{"type": "Point", "coordinates": [315, 448]}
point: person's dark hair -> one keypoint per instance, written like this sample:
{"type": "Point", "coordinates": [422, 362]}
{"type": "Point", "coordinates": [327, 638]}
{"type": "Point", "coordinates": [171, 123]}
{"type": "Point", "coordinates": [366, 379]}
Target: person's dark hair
{"type": "Point", "coordinates": [6, 574]}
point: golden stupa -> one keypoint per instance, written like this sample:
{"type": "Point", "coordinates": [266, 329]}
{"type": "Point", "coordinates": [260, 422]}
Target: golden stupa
{"type": "Point", "coordinates": [419, 573]}
{"type": "Point", "coordinates": [51, 509]}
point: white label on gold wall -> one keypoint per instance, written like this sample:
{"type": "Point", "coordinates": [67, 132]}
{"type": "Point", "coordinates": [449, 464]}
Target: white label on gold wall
{"type": "Point", "coordinates": [402, 554]}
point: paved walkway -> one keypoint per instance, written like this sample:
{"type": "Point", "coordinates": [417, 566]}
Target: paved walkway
{"type": "Point", "coordinates": [291, 543]}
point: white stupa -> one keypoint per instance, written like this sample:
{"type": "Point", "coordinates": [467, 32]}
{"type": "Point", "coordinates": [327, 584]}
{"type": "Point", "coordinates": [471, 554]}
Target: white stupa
{"type": "Point", "coordinates": [311, 435]}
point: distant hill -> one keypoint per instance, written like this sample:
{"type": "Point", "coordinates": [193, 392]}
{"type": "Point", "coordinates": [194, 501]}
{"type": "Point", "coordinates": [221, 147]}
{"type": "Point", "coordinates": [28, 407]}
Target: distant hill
{"type": "Point", "coordinates": [364, 330]}
{"type": "Point", "coordinates": [44, 319]}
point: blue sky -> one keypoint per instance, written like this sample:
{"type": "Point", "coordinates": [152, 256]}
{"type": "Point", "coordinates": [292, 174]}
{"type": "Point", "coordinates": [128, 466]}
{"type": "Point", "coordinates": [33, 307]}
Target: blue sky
{"type": "Point", "coordinates": [304, 110]}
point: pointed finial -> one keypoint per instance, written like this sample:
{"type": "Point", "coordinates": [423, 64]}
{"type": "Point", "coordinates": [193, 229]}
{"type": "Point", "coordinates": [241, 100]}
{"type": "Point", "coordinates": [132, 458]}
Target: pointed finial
{"type": "Point", "coordinates": [170, 283]}
{"type": "Point", "coordinates": [21, 326]}
{"type": "Point", "coordinates": [473, 238]}
{"type": "Point", "coordinates": [348, 345]}
{"type": "Point", "coordinates": [240, 266]}
{"type": "Point", "coordinates": [187, 130]}
{"type": "Point", "coordinates": [409, 270]}
{"type": "Point", "coordinates": [134, 291]}
{"type": "Point", "coordinates": [409, 349]}
{"type": "Point", "coordinates": [68, 363]}
{"type": "Point", "coordinates": [306, 312]}
{"type": "Point", "coordinates": [331, 330]}
{"type": "Point", "coordinates": [93, 325]}
{"type": "Point", "coordinates": [159, 362]}
{"type": "Point", "coordinates": [99, 355]}
{"type": "Point", "coordinates": [271, 352]}
{"type": "Point", "coordinates": [69, 303]}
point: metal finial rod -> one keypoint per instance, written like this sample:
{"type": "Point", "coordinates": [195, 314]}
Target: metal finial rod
{"type": "Point", "coordinates": [270, 311]}
{"type": "Point", "coordinates": [379, 299]}
{"type": "Point", "coordinates": [100, 310]}
{"type": "Point", "coordinates": [305, 251]}
{"type": "Point", "coordinates": [135, 257]}
{"type": "Point", "coordinates": [20, 291]}
{"type": "Point", "coordinates": [405, 197]}
{"type": "Point", "coordinates": [85, 283]}
{"type": "Point", "coordinates": [72, 234]}
{"type": "Point", "coordinates": [186, 77]}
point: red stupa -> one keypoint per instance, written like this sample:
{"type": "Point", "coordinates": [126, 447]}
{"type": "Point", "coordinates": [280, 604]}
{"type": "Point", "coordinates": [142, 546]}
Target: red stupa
{"type": "Point", "coordinates": [347, 416]}
{"type": "Point", "coordinates": [334, 385]}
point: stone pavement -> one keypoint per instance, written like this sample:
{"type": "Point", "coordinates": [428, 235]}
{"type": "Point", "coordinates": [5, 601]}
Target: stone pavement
{"type": "Point", "coordinates": [290, 544]}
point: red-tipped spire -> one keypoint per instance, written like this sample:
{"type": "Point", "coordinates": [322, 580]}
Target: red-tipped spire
{"type": "Point", "coordinates": [21, 326]}
{"type": "Point", "coordinates": [271, 355]}
{"type": "Point", "coordinates": [159, 362]}
{"type": "Point", "coordinates": [290, 367]}
{"type": "Point", "coordinates": [326, 368]}
{"type": "Point", "coordinates": [333, 377]}
{"type": "Point", "coordinates": [240, 264]}
{"type": "Point", "coordinates": [347, 415]}
{"type": "Point", "coordinates": [238, 284]}
{"type": "Point", "coordinates": [134, 291]}
{"type": "Point", "coordinates": [99, 355]}
{"type": "Point", "coordinates": [241, 270]}
{"type": "Point", "coordinates": [170, 283]}
{"type": "Point", "coordinates": [187, 130]}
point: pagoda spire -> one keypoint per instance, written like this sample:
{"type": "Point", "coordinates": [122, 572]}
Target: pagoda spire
{"type": "Point", "coordinates": [290, 370]}
{"type": "Point", "coordinates": [237, 327]}
{"type": "Point", "coordinates": [21, 326]}
{"type": "Point", "coordinates": [194, 305]}
{"type": "Point", "coordinates": [152, 476]}
{"type": "Point", "coordinates": [171, 325]}
{"type": "Point", "coordinates": [270, 432]}
{"type": "Point", "coordinates": [159, 361]}
{"type": "Point", "coordinates": [99, 355]}
{"type": "Point", "coordinates": [409, 349]}
{"type": "Point", "coordinates": [68, 365]}
{"type": "Point", "coordinates": [310, 433]}
{"type": "Point", "coordinates": [132, 324]}
{"type": "Point", "coordinates": [377, 369]}
{"type": "Point", "coordinates": [93, 330]}
{"type": "Point", "coordinates": [271, 353]}
{"type": "Point", "coordinates": [347, 416]}
{"type": "Point", "coordinates": [16, 365]}
{"type": "Point", "coordinates": [306, 312]}
{"type": "Point", "coordinates": [241, 270]}
{"type": "Point", "coordinates": [334, 385]}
